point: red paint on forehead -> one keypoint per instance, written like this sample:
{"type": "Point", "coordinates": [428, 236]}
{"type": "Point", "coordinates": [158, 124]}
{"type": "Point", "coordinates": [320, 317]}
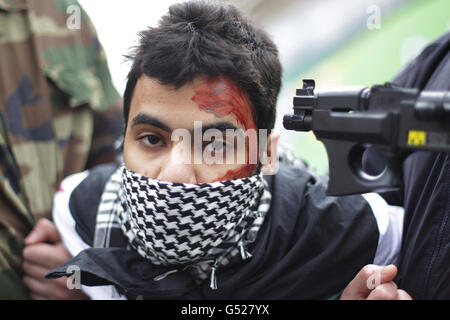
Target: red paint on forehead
{"type": "Point", "coordinates": [222, 97]}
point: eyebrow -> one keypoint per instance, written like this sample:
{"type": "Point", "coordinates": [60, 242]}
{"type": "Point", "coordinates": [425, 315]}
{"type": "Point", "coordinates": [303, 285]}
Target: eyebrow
{"type": "Point", "coordinates": [221, 126]}
{"type": "Point", "coordinates": [146, 119]}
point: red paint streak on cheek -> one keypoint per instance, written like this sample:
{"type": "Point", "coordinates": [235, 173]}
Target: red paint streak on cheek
{"type": "Point", "coordinates": [244, 172]}
{"type": "Point", "coordinates": [222, 97]}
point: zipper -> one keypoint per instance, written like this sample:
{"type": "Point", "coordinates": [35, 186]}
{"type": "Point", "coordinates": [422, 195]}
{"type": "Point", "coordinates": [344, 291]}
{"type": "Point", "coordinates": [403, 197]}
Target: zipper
{"type": "Point", "coordinates": [440, 235]}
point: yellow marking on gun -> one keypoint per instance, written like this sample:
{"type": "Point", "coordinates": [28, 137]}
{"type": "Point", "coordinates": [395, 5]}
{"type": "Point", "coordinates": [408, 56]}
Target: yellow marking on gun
{"type": "Point", "coordinates": [417, 138]}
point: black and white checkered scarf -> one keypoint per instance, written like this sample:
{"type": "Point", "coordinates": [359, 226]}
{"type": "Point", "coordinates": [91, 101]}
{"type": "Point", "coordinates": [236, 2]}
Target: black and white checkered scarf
{"type": "Point", "coordinates": [199, 228]}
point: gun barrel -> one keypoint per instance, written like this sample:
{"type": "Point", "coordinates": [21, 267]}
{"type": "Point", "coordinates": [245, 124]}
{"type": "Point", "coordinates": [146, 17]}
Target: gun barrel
{"type": "Point", "coordinates": [344, 98]}
{"type": "Point", "coordinates": [432, 105]}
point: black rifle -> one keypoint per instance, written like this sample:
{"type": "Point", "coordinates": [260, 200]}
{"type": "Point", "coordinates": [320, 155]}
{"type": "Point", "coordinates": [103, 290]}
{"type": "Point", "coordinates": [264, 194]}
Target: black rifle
{"type": "Point", "coordinates": [394, 120]}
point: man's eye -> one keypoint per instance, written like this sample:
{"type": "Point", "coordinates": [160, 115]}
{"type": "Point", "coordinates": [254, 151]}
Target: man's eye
{"type": "Point", "coordinates": [216, 146]}
{"type": "Point", "coordinates": [152, 140]}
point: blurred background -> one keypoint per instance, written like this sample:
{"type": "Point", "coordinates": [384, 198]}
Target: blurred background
{"type": "Point", "coordinates": [335, 42]}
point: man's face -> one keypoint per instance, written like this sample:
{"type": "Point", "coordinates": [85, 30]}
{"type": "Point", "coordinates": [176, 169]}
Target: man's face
{"type": "Point", "coordinates": [158, 111]}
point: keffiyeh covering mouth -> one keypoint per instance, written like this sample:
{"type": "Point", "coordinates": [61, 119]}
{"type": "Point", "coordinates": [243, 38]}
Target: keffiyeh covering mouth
{"type": "Point", "coordinates": [180, 223]}
{"type": "Point", "coordinates": [185, 226]}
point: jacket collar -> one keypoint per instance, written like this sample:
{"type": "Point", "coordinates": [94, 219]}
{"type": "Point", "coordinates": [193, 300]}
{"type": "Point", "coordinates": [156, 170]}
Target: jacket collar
{"type": "Point", "coordinates": [131, 274]}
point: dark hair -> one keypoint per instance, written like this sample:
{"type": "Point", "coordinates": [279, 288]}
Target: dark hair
{"type": "Point", "coordinates": [211, 39]}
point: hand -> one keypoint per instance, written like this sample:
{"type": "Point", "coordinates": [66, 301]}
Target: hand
{"type": "Point", "coordinates": [375, 283]}
{"type": "Point", "coordinates": [43, 252]}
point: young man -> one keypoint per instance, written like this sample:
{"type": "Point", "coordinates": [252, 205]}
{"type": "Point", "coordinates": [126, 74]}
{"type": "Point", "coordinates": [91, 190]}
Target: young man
{"type": "Point", "coordinates": [168, 225]}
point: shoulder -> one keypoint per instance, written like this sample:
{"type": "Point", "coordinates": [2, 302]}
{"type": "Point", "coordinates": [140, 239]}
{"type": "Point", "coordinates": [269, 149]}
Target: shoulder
{"type": "Point", "coordinates": [417, 73]}
{"type": "Point", "coordinates": [300, 204]}
{"type": "Point", "coordinates": [318, 240]}
{"type": "Point", "coordinates": [74, 214]}
{"type": "Point", "coordinates": [62, 216]}
{"type": "Point", "coordinates": [301, 208]}
{"type": "Point", "coordinates": [302, 191]}
{"type": "Point", "coordinates": [78, 199]}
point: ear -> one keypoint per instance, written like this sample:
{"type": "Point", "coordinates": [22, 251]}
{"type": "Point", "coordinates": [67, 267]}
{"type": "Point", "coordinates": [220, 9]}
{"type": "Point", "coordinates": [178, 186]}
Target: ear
{"type": "Point", "coordinates": [270, 156]}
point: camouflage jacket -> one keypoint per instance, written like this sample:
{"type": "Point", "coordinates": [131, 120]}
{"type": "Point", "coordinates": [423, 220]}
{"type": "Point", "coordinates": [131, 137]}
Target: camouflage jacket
{"type": "Point", "coordinates": [59, 114]}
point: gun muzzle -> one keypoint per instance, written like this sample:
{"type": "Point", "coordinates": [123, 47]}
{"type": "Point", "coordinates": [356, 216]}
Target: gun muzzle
{"type": "Point", "coordinates": [297, 122]}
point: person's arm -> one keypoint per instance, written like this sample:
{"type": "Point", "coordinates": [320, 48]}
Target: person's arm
{"type": "Point", "coordinates": [64, 244]}
{"type": "Point", "coordinates": [375, 281]}
{"type": "Point", "coordinates": [66, 225]}
{"type": "Point", "coordinates": [43, 252]}
{"type": "Point", "coordinates": [390, 227]}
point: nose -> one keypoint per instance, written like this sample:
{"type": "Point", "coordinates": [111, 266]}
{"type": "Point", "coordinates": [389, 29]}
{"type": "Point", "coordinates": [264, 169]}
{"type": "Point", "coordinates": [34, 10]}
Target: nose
{"type": "Point", "coordinates": [178, 166]}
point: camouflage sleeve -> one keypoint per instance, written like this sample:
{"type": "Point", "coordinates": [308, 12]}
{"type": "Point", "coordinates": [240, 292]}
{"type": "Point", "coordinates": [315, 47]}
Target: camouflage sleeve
{"type": "Point", "coordinates": [80, 70]}
{"type": "Point", "coordinates": [108, 120]}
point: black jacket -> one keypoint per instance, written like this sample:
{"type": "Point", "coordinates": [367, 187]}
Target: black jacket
{"type": "Point", "coordinates": [309, 247]}
{"type": "Point", "coordinates": [424, 270]}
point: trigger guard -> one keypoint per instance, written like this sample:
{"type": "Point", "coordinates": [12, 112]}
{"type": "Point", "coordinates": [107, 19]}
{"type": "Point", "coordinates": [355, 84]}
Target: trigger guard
{"type": "Point", "coordinates": [346, 175]}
